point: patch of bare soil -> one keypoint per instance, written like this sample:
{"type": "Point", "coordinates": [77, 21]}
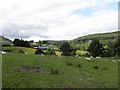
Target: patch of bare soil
{"type": "Point", "coordinates": [33, 69]}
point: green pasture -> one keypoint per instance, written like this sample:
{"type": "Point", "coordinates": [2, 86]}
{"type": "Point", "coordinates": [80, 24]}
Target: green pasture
{"type": "Point", "coordinates": [17, 49]}
{"type": "Point", "coordinates": [72, 72]}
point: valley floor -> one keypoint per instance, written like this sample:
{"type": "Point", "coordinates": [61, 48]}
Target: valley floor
{"type": "Point", "coordinates": [34, 71]}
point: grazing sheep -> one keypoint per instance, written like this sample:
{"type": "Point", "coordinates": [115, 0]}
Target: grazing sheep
{"type": "Point", "coordinates": [98, 57]}
{"type": "Point", "coordinates": [114, 61]}
{"type": "Point", "coordinates": [87, 58]}
{"type": "Point", "coordinates": [79, 57]}
{"type": "Point", "coordinates": [91, 56]}
{"type": "Point", "coordinates": [25, 52]}
{"type": "Point", "coordinates": [42, 55]}
{"type": "Point", "coordinates": [3, 52]}
{"type": "Point", "coordinates": [76, 56]}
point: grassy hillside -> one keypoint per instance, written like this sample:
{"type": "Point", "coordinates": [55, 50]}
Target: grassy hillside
{"type": "Point", "coordinates": [5, 41]}
{"type": "Point", "coordinates": [84, 41]}
{"type": "Point", "coordinates": [17, 49]}
{"type": "Point", "coordinates": [34, 71]}
{"type": "Point", "coordinates": [100, 36]}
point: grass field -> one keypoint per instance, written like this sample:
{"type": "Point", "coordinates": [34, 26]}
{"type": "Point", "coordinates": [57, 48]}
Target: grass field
{"type": "Point", "coordinates": [17, 49]}
{"type": "Point", "coordinates": [20, 71]}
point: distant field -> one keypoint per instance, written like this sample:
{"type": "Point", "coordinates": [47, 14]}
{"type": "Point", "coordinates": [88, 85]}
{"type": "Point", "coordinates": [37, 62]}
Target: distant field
{"type": "Point", "coordinates": [34, 71]}
{"type": "Point", "coordinates": [81, 53]}
{"type": "Point", "coordinates": [17, 49]}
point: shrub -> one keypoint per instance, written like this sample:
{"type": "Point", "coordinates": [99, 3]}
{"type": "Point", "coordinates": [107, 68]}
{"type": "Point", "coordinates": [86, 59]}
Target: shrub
{"type": "Point", "coordinates": [65, 49]}
{"type": "Point", "coordinates": [21, 51]}
{"type": "Point", "coordinates": [39, 51]}
{"type": "Point", "coordinates": [54, 71]}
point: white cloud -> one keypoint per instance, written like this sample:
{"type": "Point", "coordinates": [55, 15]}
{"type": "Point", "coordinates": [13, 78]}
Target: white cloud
{"type": "Point", "coordinates": [54, 19]}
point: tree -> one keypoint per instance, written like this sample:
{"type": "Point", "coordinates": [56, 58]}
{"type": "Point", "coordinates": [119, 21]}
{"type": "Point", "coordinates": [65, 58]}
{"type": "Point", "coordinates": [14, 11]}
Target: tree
{"type": "Point", "coordinates": [16, 42]}
{"type": "Point", "coordinates": [117, 47]}
{"type": "Point", "coordinates": [113, 48]}
{"type": "Point", "coordinates": [45, 42]}
{"type": "Point", "coordinates": [40, 42]}
{"type": "Point", "coordinates": [72, 51]}
{"type": "Point", "coordinates": [65, 49]}
{"type": "Point", "coordinates": [21, 43]}
{"type": "Point", "coordinates": [39, 51]}
{"type": "Point", "coordinates": [50, 51]}
{"type": "Point", "coordinates": [95, 48]}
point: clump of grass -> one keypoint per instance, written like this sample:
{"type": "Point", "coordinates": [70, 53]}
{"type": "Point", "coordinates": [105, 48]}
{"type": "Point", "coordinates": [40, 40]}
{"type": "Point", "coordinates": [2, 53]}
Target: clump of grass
{"type": "Point", "coordinates": [54, 71]}
{"type": "Point", "coordinates": [69, 64]}
{"type": "Point", "coordinates": [95, 67]}
{"type": "Point", "coordinates": [79, 65]}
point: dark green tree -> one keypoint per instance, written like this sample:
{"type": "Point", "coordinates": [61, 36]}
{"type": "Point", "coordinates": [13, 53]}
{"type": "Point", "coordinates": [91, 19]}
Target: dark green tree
{"type": "Point", "coordinates": [21, 43]}
{"type": "Point", "coordinates": [65, 49]}
{"type": "Point", "coordinates": [16, 42]}
{"type": "Point", "coordinates": [117, 47]}
{"type": "Point", "coordinates": [45, 42]}
{"type": "Point", "coordinates": [39, 51]}
{"type": "Point", "coordinates": [114, 48]}
{"type": "Point", "coordinates": [96, 48]}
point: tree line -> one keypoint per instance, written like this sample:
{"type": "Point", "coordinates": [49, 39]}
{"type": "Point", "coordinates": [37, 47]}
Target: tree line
{"type": "Point", "coordinates": [95, 48]}
{"type": "Point", "coordinates": [21, 43]}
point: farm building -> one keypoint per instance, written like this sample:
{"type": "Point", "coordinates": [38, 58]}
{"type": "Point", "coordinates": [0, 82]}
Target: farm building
{"type": "Point", "coordinates": [42, 47]}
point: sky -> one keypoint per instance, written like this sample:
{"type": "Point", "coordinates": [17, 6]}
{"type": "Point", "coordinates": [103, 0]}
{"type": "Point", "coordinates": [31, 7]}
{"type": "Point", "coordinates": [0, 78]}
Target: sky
{"type": "Point", "coordinates": [56, 19]}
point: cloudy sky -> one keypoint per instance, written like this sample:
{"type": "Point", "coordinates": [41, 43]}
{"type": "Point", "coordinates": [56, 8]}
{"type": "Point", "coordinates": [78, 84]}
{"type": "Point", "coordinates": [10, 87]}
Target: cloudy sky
{"type": "Point", "coordinates": [57, 19]}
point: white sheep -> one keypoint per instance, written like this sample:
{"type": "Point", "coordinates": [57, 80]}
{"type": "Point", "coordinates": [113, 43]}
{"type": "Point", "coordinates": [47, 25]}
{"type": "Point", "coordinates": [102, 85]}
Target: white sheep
{"type": "Point", "coordinates": [98, 57]}
{"type": "Point", "coordinates": [91, 56]}
{"type": "Point", "coordinates": [25, 52]}
{"type": "Point", "coordinates": [76, 56]}
{"type": "Point", "coordinates": [114, 61]}
{"type": "Point", "coordinates": [87, 58]}
{"type": "Point", "coordinates": [79, 57]}
{"type": "Point", "coordinates": [42, 55]}
{"type": "Point", "coordinates": [3, 52]}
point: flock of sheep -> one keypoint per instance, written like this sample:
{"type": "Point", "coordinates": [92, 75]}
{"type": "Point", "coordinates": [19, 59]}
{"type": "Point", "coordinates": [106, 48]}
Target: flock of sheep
{"type": "Point", "coordinates": [89, 59]}
{"type": "Point", "coordinates": [2, 52]}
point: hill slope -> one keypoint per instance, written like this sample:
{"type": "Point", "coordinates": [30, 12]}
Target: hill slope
{"type": "Point", "coordinates": [104, 37]}
{"type": "Point", "coordinates": [83, 42]}
{"type": "Point", "coordinates": [5, 41]}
